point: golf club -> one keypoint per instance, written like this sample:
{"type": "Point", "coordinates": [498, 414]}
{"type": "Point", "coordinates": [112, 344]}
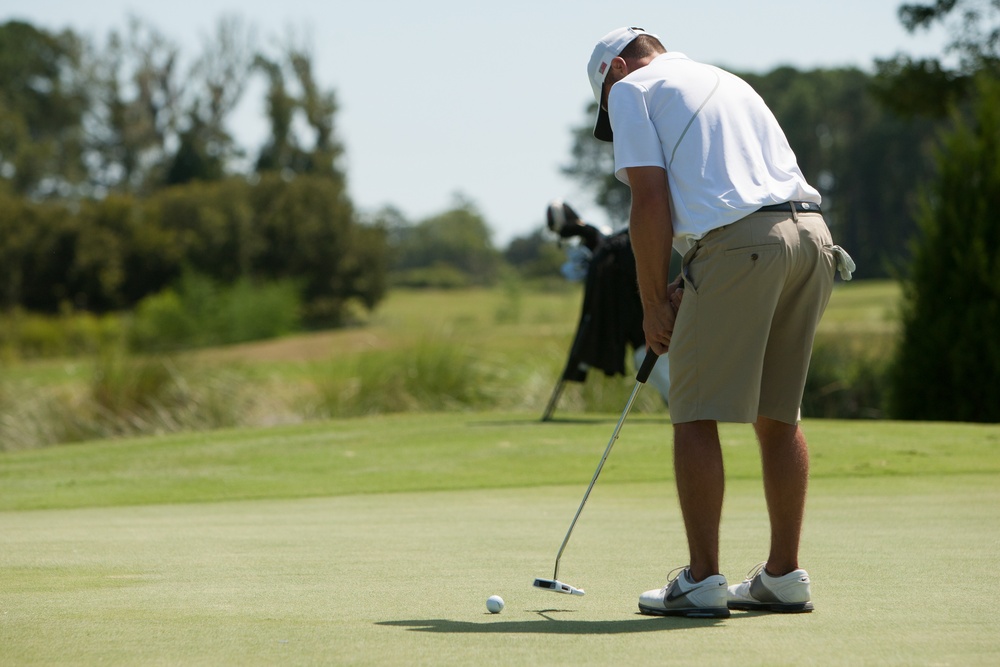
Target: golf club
{"type": "Point", "coordinates": [554, 584]}
{"type": "Point", "coordinates": [559, 215]}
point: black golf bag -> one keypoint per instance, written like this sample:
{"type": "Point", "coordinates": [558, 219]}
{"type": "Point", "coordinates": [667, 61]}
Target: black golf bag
{"type": "Point", "coordinates": [611, 317]}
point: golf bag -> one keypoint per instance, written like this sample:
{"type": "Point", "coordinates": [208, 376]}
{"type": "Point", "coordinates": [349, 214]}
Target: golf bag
{"type": "Point", "coordinates": [610, 318]}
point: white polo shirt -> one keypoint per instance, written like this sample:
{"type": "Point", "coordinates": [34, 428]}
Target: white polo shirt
{"type": "Point", "coordinates": [724, 153]}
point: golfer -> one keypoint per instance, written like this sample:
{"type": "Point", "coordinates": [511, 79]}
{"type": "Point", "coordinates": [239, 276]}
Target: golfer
{"type": "Point", "coordinates": [711, 173]}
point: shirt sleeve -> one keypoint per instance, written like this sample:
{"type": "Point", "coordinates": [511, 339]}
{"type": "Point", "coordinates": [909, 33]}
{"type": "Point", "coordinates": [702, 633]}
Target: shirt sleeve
{"type": "Point", "coordinates": [636, 142]}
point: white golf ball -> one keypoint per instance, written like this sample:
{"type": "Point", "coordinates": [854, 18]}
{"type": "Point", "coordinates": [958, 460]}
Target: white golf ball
{"type": "Point", "coordinates": [495, 604]}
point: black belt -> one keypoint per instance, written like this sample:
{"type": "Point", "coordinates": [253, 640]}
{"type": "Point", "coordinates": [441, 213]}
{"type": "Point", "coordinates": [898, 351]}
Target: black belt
{"type": "Point", "coordinates": [799, 206]}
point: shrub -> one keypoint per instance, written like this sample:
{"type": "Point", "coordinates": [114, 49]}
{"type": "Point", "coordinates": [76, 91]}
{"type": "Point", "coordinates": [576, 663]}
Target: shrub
{"type": "Point", "coordinates": [30, 335]}
{"type": "Point", "coordinates": [201, 312]}
{"type": "Point", "coordinates": [948, 360]}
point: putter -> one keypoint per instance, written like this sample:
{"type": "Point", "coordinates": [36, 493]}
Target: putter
{"type": "Point", "coordinates": [554, 584]}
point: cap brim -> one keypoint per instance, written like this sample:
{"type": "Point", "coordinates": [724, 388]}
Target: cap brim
{"type": "Point", "coordinates": [602, 130]}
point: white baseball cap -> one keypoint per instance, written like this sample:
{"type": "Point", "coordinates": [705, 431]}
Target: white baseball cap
{"type": "Point", "coordinates": [610, 46]}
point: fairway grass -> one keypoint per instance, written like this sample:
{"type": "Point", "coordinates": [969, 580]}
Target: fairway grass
{"type": "Point", "coordinates": [377, 541]}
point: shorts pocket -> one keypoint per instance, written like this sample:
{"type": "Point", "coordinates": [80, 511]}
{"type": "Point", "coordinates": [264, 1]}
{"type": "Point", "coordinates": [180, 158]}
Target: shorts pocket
{"type": "Point", "coordinates": [754, 250]}
{"type": "Point", "coordinates": [689, 282]}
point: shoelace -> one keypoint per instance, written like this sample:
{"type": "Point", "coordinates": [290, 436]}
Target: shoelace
{"type": "Point", "coordinates": [673, 574]}
{"type": "Point", "coordinates": [755, 570]}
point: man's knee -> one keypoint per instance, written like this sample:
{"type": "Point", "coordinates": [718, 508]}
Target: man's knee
{"type": "Point", "coordinates": [696, 431]}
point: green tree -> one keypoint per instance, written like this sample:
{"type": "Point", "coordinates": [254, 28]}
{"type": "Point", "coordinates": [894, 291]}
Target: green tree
{"type": "Point", "coordinates": [308, 232]}
{"type": "Point", "coordinates": [948, 360]}
{"type": "Point", "coordinates": [452, 248]}
{"type": "Point", "coordinates": [592, 165]}
{"type": "Point", "coordinates": [293, 93]}
{"type": "Point", "coordinates": [929, 86]}
{"type": "Point", "coordinates": [42, 102]}
{"type": "Point", "coordinates": [221, 72]}
{"type": "Point", "coordinates": [535, 255]}
{"type": "Point", "coordinates": [136, 108]}
{"type": "Point", "coordinates": [154, 121]}
{"type": "Point", "coordinates": [36, 247]}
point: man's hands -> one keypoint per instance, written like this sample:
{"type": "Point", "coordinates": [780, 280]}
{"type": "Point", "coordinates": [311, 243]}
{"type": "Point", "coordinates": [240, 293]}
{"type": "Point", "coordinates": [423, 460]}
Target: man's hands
{"type": "Point", "coordinates": [658, 318]}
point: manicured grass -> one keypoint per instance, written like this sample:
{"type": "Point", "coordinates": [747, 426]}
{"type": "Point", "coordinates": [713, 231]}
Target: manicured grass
{"type": "Point", "coordinates": [362, 580]}
{"type": "Point", "coordinates": [427, 452]}
{"type": "Point", "coordinates": [376, 541]}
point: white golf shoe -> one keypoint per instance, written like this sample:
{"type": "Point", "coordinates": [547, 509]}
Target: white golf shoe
{"type": "Point", "coordinates": [683, 597]}
{"type": "Point", "coordinates": [760, 591]}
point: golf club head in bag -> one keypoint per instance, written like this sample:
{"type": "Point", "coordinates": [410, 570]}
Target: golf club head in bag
{"type": "Point", "coordinates": [554, 584]}
{"type": "Point", "coordinates": [560, 216]}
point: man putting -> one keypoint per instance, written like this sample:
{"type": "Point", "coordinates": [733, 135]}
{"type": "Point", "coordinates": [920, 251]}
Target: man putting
{"type": "Point", "coordinates": [712, 174]}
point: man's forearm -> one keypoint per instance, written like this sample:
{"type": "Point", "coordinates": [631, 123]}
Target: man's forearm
{"type": "Point", "coordinates": [651, 231]}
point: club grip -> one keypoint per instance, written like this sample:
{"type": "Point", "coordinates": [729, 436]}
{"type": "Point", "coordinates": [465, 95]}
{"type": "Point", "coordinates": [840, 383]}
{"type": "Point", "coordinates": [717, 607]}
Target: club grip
{"type": "Point", "coordinates": [647, 366]}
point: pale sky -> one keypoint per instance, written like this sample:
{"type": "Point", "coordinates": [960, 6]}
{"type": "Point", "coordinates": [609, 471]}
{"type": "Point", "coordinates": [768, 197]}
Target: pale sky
{"type": "Point", "coordinates": [439, 97]}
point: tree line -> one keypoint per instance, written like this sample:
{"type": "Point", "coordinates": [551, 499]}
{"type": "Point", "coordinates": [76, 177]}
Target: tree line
{"type": "Point", "coordinates": [130, 115]}
{"type": "Point", "coordinates": [109, 254]}
{"type": "Point", "coordinates": [120, 124]}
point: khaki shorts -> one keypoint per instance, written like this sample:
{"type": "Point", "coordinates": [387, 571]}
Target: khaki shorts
{"type": "Point", "coordinates": [754, 292]}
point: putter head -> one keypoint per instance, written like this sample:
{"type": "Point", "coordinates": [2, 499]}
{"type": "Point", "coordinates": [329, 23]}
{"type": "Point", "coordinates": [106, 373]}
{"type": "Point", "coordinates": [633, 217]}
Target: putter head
{"type": "Point", "coordinates": [557, 586]}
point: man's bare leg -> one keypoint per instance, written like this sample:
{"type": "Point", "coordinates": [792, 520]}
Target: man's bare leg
{"type": "Point", "coordinates": [785, 463]}
{"type": "Point", "coordinates": [700, 473]}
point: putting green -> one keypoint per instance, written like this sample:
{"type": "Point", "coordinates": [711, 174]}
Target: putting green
{"type": "Point", "coordinates": [904, 572]}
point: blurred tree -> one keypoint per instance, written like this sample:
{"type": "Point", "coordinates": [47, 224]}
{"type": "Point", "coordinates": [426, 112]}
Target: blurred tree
{"type": "Point", "coordinates": [308, 232]}
{"type": "Point", "coordinates": [295, 100]}
{"type": "Point", "coordinates": [455, 244]}
{"type": "Point", "coordinates": [593, 167]}
{"type": "Point", "coordinates": [281, 150]}
{"type": "Point", "coordinates": [221, 73]}
{"type": "Point", "coordinates": [318, 107]}
{"type": "Point", "coordinates": [948, 360]}
{"type": "Point", "coordinates": [136, 109]}
{"type": "Point", "coordinates": [42, 102]}
{"type": "Point", "coordinates": [153, 122]}
{"type": "Point", "coordinates": [36, 247]}
{"type": "Point", "coordinates": [929, 86]}
{"type": "Point", "coordinates": [536, 255]}
{"type": "Point", "coordinates": [194, 159]}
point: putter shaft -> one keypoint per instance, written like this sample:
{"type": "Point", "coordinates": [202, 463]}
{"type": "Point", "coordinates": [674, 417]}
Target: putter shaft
{"type": "Point", "coordinates": [640, 379]}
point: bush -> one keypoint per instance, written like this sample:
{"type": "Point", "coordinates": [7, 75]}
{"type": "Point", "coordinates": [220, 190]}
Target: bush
{"type": "Point", "coordinates": [438, 276]}
{"type": "Point", "coordinates": [31, 336]}
{"type": "Point", "coordinates": [200, 313]}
